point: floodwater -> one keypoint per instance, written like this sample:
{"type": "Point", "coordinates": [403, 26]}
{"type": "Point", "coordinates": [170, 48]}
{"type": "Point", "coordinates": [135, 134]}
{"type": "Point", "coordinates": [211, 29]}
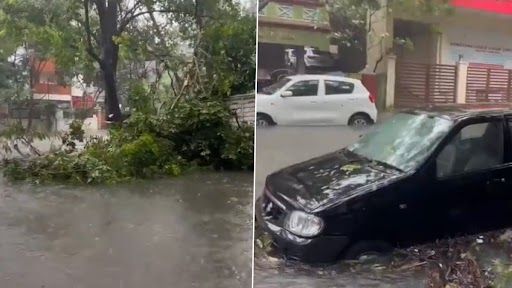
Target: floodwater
{"type": "Point", "coordinates": [282, 274]}
{"type": "Point", "coordinates": [192, 231]}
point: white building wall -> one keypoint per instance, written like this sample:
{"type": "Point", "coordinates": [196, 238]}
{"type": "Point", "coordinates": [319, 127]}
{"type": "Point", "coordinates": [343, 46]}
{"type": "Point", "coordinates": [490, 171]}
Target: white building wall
{"type": "Point", "coordinates": [55, 97]}
{"type": "Point", "coordinates": [478, 37]}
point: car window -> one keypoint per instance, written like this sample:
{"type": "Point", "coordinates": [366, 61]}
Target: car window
{"type": "Point", "coordinates": [475, 147]}
{"type": "Point", "coordinates": [338, 87]}
{"type": "Point", "coordinates": [304, 88]}
{"type": "Point", "coordinates": [473, 131]}
{"type": "Point", "coordinates": [269, 90]}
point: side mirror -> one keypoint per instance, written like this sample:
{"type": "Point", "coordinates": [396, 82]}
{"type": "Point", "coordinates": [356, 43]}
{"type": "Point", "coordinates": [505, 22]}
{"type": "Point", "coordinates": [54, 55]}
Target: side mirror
{"type": "Point", "coordinates": [287, 93]}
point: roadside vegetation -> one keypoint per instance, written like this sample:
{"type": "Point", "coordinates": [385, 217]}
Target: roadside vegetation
{"type": "Point", "coordinates": [164, 121]}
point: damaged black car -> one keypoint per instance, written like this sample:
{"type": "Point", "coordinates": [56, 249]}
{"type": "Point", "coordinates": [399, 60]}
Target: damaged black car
{"type": "Point", "coordinates": [420, 176]}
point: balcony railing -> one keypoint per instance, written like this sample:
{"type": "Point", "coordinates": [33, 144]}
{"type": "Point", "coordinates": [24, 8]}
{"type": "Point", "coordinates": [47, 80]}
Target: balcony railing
{"type": "Point", "coordinates": [44, 88]}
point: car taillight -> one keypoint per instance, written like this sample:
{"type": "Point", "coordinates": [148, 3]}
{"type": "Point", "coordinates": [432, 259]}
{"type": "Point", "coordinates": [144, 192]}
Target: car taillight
{"type": "Point", "coordinates": [372, 98]}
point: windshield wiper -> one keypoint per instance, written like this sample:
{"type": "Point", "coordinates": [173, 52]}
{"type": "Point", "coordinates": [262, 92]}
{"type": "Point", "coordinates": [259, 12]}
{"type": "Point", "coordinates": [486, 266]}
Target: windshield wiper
{"type": "Point", "coordinates": [387, 165]}
{"type": "Point", "coordinates": [381, 163]}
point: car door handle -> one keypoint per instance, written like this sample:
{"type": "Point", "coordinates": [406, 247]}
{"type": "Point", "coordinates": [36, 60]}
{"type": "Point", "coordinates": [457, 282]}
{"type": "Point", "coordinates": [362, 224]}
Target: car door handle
{"type": "Point", "coordinates": [314, 102]}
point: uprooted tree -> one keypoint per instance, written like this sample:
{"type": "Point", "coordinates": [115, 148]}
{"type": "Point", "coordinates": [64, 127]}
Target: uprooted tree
{"type": "Point", "coordinates": [88, 35]}
{"type": "Point", "coordinates": [199, 53]}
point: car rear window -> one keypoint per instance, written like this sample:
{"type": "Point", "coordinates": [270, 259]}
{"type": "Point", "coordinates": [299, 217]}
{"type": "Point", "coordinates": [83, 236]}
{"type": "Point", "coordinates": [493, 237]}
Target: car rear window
{"type": "Point", "coordinates": [304, 88]}
{"type": "Point", "coordinates": [338, 87]}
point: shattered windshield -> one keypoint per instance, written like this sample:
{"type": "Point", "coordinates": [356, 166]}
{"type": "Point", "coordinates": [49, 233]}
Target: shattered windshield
{"type": "Point", "coordinates": [269, 90]}
{"type": "Point", "coordinates": [405, 141]}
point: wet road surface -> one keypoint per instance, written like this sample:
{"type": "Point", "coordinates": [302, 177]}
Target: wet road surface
{"type": "Point", "coordinates": [193, 231]}
{"type": "Point", "coordinates": [301, 276]}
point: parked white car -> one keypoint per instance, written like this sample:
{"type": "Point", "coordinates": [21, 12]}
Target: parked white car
{"type": "Point", "coordinates": [312, 58]}
{"type": "Point", "coordinates": [316, 100]}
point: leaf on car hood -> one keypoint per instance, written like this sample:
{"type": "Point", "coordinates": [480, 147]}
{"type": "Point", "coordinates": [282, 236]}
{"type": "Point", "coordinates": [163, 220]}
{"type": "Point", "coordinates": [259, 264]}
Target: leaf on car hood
{"type": "Point", "coordinates": [350, 168]}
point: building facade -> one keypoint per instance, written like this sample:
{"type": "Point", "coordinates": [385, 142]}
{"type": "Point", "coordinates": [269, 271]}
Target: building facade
{"type": "Point", "coordinates": [462, 57]}
{"type": "Point", "coordinates": [287, 31]}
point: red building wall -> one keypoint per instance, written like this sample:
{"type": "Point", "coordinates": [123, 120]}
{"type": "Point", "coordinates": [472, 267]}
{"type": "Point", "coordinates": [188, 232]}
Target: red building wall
{"type": "Point", "coordinates": [47, 68]}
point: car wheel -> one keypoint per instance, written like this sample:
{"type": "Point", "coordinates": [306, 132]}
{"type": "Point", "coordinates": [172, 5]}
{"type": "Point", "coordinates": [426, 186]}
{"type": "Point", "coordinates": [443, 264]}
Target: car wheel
{"type": "Point", "coordinates": [263, 120]}
{"type": "Point", "coordinates": [360, 121]}
{"type": "Point", "coordinates": [365, 250]}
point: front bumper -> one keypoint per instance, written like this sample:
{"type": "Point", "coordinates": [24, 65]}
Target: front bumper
{"type": "Point", "coordinates": [319, 249]}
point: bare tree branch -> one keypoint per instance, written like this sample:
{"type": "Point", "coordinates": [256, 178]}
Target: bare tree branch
{"type": "Point", "coordinates": [88, 32]}
{"type": "Point", "coordinates": [127, 20]}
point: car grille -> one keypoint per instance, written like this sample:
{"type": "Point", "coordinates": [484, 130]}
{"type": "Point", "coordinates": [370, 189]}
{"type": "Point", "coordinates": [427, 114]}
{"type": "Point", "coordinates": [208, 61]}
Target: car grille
{"type": "Point", "coordinates": [272, 212]}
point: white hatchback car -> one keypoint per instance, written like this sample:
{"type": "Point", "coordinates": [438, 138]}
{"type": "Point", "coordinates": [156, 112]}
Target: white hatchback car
{"type": "Point", "coordinates": [316, 100]}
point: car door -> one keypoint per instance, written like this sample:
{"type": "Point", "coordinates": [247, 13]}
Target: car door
{"type": "Point", "coordinates": [339, 101]}
{"type": "Point", "coordinates": [501, 181]}
{"type": "Point", "coordinates": [467, 185]}
{"type": "Point", "coordinates": [302, 105]}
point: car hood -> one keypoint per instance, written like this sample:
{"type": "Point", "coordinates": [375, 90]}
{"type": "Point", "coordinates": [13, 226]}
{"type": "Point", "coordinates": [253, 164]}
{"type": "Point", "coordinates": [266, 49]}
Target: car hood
{"type": "Point", "coordinates": [328, 180]}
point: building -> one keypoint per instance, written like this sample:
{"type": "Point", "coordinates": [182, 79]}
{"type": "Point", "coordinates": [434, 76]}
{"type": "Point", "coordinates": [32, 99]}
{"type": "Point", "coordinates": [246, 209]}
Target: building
{"type": "Point", "coordinates": [57, 103]}
{"type": "Point", "coordinates": [286, 25]}
{"type": "Point", "coordinates": [78, 95]}
{"type": "Point", "coordinates": [461, 57]}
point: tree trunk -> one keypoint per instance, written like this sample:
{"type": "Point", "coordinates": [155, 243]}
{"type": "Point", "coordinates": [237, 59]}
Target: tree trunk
{"type": "Point", "coordinates": [111, 100]}
{"type": "Point", "coordinates": [109, 56]}
{"type": "Point", "coordinates": [300, 64]}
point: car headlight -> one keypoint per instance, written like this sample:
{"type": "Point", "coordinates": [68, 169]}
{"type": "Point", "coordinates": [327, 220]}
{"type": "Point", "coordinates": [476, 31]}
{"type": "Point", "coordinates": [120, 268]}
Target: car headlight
{"type": "Point", "coordinates": [303, 224]}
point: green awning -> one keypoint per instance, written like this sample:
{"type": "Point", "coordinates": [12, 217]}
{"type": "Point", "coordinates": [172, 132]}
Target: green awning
{"type": "Point", "coordinates": [295, 37]}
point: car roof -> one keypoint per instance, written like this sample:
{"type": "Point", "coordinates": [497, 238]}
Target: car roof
{"type": "Point", "coordinates": [460, 111]}
{"type": "Point", "coordinates": [322, 76]}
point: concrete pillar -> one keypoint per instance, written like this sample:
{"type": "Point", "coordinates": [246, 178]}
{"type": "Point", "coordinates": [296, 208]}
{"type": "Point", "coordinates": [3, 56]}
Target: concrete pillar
{"type": "Point", "coordinates": [60, 124]}
{"type": "Point", "coordinates": [380, 38]}
{"type": "Point", "coordinates": [300, 65]}
{"type": "Point", "coordinates": [390, 82]}
{"type": "Point", "coordinates": [462, 77]}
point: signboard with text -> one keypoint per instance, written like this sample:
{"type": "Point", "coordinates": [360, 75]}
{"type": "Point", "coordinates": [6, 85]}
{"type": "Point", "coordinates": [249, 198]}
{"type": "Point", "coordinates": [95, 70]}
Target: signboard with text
{"type": "Point", "coordinates": [479, 47]}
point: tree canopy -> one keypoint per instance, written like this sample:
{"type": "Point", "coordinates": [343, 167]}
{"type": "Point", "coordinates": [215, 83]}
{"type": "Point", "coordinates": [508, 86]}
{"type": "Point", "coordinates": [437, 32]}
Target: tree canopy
{"type": "Point", "coordinates": [97, 38]}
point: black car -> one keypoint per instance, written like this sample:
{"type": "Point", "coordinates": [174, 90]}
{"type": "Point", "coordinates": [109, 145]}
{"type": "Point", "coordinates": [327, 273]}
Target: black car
{"type": "Point", "coordinates": [420, 176]}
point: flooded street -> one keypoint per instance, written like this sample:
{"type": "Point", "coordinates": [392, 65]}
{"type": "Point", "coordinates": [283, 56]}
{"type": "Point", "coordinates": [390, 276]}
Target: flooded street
{"type": "Point", "coordinates": [340, 275]}
{"type": "Point", "coordinates": [192, 231]}
{"type": "Point", "coordinates": [278, 147]}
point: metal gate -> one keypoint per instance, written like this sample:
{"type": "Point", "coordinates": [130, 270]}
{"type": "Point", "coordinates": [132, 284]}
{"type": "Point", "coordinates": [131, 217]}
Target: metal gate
{"type": "Point", "coordinates": [418, 84]}
{"type": "Point", "coordinates": [487, 84]}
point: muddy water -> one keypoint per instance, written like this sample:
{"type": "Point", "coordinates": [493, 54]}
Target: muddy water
{"type": "Point", "coordinates": [281, 274]}
{"type": "Point", "coordinates": [195, 231]}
